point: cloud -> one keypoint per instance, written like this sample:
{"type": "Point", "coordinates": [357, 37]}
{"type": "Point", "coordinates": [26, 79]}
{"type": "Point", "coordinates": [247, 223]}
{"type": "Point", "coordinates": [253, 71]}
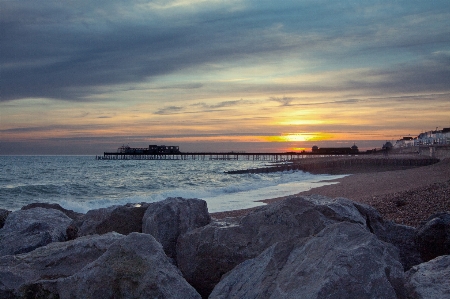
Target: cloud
{"type": "Point", "coordinates": [431, 74]}
{"type": "Point", "coordinates": [222, 104]}
{"type": "Point", "coordinates": [284, 101]}
{"type": "Point", "coordinates": [180, 86]}
{"type": "Point", "coordinates": [64, 51]}
{"type": "Point", "coordinates": [52, 51]}
{"type": "Point", "coordinates": [169, 110]}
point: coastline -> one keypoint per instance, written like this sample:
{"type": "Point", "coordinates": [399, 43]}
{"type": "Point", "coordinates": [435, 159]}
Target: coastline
{"type": "Point", "coordinates": [405, 195]}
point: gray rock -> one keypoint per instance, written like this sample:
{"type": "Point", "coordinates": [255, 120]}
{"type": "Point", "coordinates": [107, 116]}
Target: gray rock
{"type": "Point", "coordinates": [26, 230]}
{"type": "Point", "coordinates": [342, 261]}
{"type": "Point", "coordinates": [69, 213]}
{"type": "Point", "coordinates": [205, 254]}
{"type": "Point", "coordinates": [3, 215]}
{"type": "Point", "coordinates": [56, 260]}
{"type": "Point", "coordinates": [429, 280]}
{"type": "Point", "coordinates": [168, 219]}
{"type": "Point", "coordinates": [120, 219]}
{"type": "Point", "coordinates": [133, 267]}
{"type": "Point", "coordinates": [433, 238]}
{"type": "Point", "coordinates": [401, 236]}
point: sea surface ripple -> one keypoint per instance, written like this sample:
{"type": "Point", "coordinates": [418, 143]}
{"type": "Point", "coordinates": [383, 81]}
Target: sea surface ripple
{"type": "Point", "coordinates": [82, 183]}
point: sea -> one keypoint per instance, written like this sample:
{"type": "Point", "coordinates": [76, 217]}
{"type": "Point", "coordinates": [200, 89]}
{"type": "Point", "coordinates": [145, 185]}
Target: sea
{"type": "Point", "coordinates": [82, 183]}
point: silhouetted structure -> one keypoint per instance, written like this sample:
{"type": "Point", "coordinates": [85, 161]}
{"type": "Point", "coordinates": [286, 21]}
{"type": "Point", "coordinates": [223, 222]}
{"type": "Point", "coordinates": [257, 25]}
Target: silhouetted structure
{"type": "Point", "coordinates": [162, 152]}
{"type": "Point", "coordinates": [335, 150]}
{"type": "Point", "coordinates": [151, 150]}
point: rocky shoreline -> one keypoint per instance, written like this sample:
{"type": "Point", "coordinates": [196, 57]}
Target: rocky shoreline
{"type": "Point", "coordinates": [298, 247]}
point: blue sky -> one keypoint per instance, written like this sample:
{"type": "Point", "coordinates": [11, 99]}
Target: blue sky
{"type": "Point", "coordinates": [83, 76]}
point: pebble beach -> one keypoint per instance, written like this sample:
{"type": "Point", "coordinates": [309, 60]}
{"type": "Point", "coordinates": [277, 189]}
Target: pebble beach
{"type": "Point", "coordinates": [404, 195]}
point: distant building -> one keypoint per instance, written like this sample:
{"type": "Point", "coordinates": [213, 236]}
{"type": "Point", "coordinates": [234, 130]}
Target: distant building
{"type": "Point", "coordinates": [151, 150]}
{"type": "Point", "coordinates": [434, 137]}
{"type": "Point", "coordinates": [404, 142]}
{"type": "Point", "coordinates": [387, 146]}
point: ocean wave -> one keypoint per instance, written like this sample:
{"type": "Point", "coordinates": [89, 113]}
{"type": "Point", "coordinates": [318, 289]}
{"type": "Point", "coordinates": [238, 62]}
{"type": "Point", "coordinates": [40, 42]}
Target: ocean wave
{"type": "Point", "coordinates": [82, 183]}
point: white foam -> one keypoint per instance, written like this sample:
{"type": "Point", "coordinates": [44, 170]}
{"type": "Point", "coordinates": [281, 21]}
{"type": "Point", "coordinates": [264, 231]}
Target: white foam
{"type": "Point", "coordinates": [233, 197]}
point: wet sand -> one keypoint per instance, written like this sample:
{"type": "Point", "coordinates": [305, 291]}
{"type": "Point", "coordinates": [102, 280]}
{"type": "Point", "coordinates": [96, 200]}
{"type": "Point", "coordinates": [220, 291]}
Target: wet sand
{"type": "Point", "coordinates": [406, 196]}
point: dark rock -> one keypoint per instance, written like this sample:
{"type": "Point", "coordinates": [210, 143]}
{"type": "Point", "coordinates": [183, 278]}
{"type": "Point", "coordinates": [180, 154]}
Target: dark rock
{"type": "Point", "coordinates": [206, 253]}
{"type": "Point", "coordinates": [400, 203]}
{"type": "Point", "coordinates": [120, 219]}
{"type": "Point", "coordinates": [168, 219]}
{"type": "Point", "coordinates": [342, 261]}
{"type": "Point", "coordinates": [133, 267]}
{"type": "Point", "coordinates": [51, 262]}
{"type": "Point", "coordinates": [72, 232]}
{"type": "Point", "coordinates": [71, 214]}
{"type": "Point", "coordinates": [433, 238]}
{"type": "Point", "coordinates": [404, 238]}
{"type": "Point", "coordinates": [429, 280]}
{"type": "Point", "coordinates": [3, 215]}
{"type": "Point", "coordinates": [26, 230]}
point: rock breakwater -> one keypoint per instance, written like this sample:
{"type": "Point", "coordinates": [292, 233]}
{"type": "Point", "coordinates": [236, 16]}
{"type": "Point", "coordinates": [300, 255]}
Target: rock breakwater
{"type": "Point", "coordinates": [301, 247]}
{"type": "Point", "coordinates": [345, 165]}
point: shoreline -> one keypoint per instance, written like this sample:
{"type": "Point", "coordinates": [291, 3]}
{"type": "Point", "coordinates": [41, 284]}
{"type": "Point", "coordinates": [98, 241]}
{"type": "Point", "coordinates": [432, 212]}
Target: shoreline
{"type": "Point", "coordinates": [405, 195]}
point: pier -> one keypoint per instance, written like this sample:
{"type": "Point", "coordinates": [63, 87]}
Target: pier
{"type": "Point", "coordinates": [162, 152]}
{"type": "Point", "coordinates": [204, 156]}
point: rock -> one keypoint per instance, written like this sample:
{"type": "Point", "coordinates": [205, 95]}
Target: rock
{"type": "Point", "coordinates": [120, 219]}
{"type": "Point", "coordinates": [72, 232]}
{"type": "Point", "coordinates": [51, 262]}
{"type": "Point", "coordinates": [26, 230]}
{"type": "Point", "coordinates": [343, 261]}
{"type": "Point", "coordinates": [133, 267]}
{"type": "Point", "coordinates": [404, 238]}
{"type": "Point", "coordinates": [401, 236]}
{"type": "Point", "coordinates": [71, 214]}
{"type": "Point", "coordinates": [433, 238]}
{"type": "Point", "coordinates": [206, 253]}
{"type": "Point", "coordinates": [168, 219]}
{"type": "Point", "coordinates": [429, 280]}
{"type": "Point", "coordinates": [3, 215]}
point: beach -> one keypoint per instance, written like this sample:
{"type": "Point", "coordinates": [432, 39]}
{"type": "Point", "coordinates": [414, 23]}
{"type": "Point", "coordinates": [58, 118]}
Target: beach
{"type": "Point", "coordinates": [404, 195]}
{"type": "Point", "coordinates": [324, 245]}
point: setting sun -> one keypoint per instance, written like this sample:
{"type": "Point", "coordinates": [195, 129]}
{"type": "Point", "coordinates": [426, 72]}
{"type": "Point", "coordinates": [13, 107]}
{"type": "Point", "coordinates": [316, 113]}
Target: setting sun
{"type": "Point", "coordinates": [299, 137]}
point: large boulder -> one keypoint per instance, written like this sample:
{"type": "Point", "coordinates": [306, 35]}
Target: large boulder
{"type": "Point", "coordinates": [55, 206]}
{"type": "Point", "coordinates": [121, 219]}
{"type": "Point", "coordinates": [342, 261]}
{"type": "Point", "coordinates": [401, 236]}
{"type": "Point", "coordinates": [132, 267]}
{"type": "Point", "coordinates": [26, 230]}
{"type": "Point", "coordinates": [206, 253]}
{"type": "Point", "coordinates": [429, 280]}
{"type": "Point", "coordinates": [168, 219]}
{"type": "Point", "coordinates": [51, 262]}
{"type": "Point", "coordinates": [433, 238]}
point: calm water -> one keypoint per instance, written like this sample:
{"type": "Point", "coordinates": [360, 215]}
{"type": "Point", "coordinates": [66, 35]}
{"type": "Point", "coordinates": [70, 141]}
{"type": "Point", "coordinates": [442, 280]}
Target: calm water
{"type": "Point", "coordinates": [82, 183]}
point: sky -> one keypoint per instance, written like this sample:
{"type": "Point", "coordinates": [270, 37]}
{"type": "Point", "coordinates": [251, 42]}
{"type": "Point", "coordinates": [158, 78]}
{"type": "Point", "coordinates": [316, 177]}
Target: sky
{"type": "Point", "coordinates": [83, 77]}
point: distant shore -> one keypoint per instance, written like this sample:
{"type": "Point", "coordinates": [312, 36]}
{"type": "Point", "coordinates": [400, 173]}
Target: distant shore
{"type": "Point", "coordinates": [404, 194]}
